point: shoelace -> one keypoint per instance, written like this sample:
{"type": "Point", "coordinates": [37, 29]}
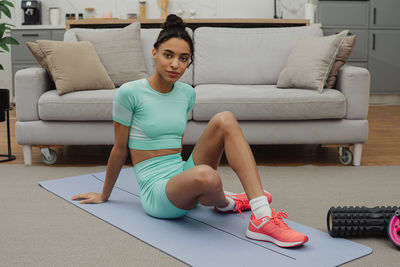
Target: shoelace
{"type": "Point", "coordinates": [240, 205]}
{"type": "Point", "coordinates": [278, 219]}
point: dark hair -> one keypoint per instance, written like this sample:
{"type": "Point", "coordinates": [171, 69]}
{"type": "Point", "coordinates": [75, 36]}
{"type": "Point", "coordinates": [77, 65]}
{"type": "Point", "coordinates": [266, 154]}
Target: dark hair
{"type": "Point", "coordinates": [174, 27]}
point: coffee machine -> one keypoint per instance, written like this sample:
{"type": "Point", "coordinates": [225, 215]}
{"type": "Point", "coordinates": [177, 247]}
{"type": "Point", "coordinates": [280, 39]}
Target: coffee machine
{"type": "Point", "coordinates": [31, 10]}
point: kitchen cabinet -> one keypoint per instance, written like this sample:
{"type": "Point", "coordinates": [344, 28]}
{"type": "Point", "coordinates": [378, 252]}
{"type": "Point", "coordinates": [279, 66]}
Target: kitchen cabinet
{"type": "Point", "coordinates": [21, 56]}
{"type": "Point", "coordinates": [384, 61]}
{"type": "Point", "coordinates": [385, 14]}
{"type": "Point", "coordinates": [377, 26]}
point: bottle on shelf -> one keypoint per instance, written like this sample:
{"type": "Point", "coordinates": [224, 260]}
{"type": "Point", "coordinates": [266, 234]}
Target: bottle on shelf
{"type": "Point", "coordinates": [89, 13]}
{"type": "Point", "coordinates": [142, 9]}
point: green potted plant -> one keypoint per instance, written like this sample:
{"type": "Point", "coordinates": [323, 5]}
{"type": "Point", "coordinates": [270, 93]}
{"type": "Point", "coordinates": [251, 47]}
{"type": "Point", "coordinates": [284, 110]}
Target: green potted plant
{"type": "Point", "coordinates": [5, 40]}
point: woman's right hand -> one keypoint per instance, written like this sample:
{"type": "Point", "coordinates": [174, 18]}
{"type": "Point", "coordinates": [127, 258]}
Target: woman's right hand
{"type": "Point", "coordinates": [89, 198]}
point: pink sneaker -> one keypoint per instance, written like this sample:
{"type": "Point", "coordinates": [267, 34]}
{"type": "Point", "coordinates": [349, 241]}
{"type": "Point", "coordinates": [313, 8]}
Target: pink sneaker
{"type": "Point", "coordinates": [241, 202]}
{"type": "Point", "coordinates": [275, 230]}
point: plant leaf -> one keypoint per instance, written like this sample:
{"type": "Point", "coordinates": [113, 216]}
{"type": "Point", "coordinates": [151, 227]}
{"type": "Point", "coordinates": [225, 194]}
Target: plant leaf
{"type": "Point", "coordinates": [2, 29]}
{"type": "Point", "coordinates": [8, 40]}
{"type": "Point", "coordinates": [5, 47]}
{"type": "Point", "coordinates": [8, 3]}
{"type": "Point", "coordinates": [5, 10]}
{"type": "Point", "coordinates": [1, 67]}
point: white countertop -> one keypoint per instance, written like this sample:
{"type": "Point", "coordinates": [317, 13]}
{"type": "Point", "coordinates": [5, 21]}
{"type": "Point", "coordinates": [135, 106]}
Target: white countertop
{"type": "Point", "coordinates": [39, 27]}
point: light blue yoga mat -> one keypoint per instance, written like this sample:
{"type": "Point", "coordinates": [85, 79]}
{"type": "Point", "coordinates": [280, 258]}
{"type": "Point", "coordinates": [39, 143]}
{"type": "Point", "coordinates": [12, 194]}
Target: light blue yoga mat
{"type": "Point", "coordinates": [201, 237]}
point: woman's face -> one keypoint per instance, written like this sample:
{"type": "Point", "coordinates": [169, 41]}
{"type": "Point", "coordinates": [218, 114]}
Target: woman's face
{"type": "Point", "coordinates": [171, 58]}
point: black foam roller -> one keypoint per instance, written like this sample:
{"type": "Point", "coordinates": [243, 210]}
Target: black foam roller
{"type": "Point", "coordinates": [359, 221]}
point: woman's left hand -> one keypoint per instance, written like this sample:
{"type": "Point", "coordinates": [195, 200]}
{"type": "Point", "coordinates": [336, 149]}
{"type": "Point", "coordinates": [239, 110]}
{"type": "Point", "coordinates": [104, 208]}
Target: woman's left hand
{"type": "Point", "coordinates": [89, 198]}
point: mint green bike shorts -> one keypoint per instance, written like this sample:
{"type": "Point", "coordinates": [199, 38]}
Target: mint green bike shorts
{"type": "Point", "coordinates": [152, 176]}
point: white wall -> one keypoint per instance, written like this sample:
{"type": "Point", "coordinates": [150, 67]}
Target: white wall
{"type": "Point", "coordinates": [203, 8]}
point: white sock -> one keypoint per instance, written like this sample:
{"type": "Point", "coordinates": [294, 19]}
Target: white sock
{"type": "Point", "coordinates": [230, 206]}
{"type": "Point", "coordinates": [260, 207]}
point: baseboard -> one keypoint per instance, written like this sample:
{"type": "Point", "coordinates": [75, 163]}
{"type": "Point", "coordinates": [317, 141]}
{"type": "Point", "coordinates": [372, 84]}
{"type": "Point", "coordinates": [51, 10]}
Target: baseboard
{"type": "Point", "coordinates": [384, 99]}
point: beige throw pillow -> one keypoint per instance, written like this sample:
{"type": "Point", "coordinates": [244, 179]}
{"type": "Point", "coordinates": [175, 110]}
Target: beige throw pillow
{"type": "Point", "coordinates": [341, 58]}
{"type": "Point", "coordinates": [74, 66]}
{"type": "Point", "coordinates": [120, 51]}
{"type": "Point", "coordinates": [39, 56]}
{"type": "Point", "coordinates": [310, 61]}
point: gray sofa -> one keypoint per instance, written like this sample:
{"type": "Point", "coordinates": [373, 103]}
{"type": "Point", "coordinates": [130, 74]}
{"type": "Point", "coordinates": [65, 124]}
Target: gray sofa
{"type": "Point", "coordinates": [234, 69]}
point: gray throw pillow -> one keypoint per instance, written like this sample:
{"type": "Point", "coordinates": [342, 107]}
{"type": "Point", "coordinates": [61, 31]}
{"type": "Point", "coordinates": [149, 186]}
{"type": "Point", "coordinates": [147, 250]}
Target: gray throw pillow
{"type": "Point", "coordinates": [310, 62]}
{"type": "Point", "coordinates": [120, 51]}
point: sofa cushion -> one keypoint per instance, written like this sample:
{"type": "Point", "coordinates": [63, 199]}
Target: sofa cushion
{"type": "Point", "coordinates": [148, 37]}
{"type": "Point", "coordinates": [267, 102]}
{"type": "Point", "coordinates": [39, 56]}
{"type": "Point", "coordinates": [310, 62]}
{"type": "Point", "coordinates": [91, 105]}
{"type": "Point", "coordinates": [244, 56]}
{"type": "Point", "coordinates": [120, 51]}
{"type": "Point", "coordinates": [341, 58]}
{"type": "Point", "coordinates": [75, 66]}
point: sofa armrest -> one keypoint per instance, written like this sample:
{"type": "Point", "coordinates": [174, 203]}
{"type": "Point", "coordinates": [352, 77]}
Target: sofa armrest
{"type": "Point", "coordinates": [30, 84]}
{"type": "Point", "coordinates": [354, 83]}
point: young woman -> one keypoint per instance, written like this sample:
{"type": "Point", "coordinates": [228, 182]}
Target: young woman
{"type": "Point", "coordinates": [150, 117]}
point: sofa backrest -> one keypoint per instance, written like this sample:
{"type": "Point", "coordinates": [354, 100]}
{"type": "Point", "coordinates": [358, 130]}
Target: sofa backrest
{"type": "Point", "coordinates": [244, 55]}
{"type": "Point", "coordinates": [148, 38]}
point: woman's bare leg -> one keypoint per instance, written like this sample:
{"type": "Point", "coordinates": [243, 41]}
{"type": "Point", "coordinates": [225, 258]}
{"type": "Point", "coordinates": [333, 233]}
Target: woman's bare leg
{"type": "Point", "coordinates": [200, 184]}
{"type": "Point", "coordinates": [223, 133]}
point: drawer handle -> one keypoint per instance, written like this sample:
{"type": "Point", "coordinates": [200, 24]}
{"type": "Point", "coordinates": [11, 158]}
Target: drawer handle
{"type": "Point", "coordinates": [374, 15]}
{"type": "Point", "coordinates": [30, 35]}
{"type": "Point", "coordinates": [373, 41]}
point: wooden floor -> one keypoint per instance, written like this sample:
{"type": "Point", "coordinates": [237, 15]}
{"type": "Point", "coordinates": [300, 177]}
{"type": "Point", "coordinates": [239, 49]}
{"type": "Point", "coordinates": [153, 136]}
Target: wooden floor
{"type": "Point", "coordinates": [381, 149]}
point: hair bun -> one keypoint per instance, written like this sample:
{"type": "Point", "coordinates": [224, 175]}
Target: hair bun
{"type": "Point", "coordinates": [173, 21]}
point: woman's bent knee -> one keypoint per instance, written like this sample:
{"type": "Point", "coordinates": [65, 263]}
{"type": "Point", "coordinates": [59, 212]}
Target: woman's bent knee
{"type": "Point", "coordinates": [226, 121]}
{"type": "Point", "coordinates": [207, 178]}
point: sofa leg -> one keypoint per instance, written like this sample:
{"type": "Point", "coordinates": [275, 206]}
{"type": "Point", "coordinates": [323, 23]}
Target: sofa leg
{"type": "Point", "coordinates": [27, 154]}
{"type": "Point", "coordinates": [357, 154]}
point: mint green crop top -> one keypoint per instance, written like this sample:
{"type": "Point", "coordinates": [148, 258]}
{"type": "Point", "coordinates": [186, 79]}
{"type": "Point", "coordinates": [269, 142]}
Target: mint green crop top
{"type": "Point", "coordinates": [156, 120]}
